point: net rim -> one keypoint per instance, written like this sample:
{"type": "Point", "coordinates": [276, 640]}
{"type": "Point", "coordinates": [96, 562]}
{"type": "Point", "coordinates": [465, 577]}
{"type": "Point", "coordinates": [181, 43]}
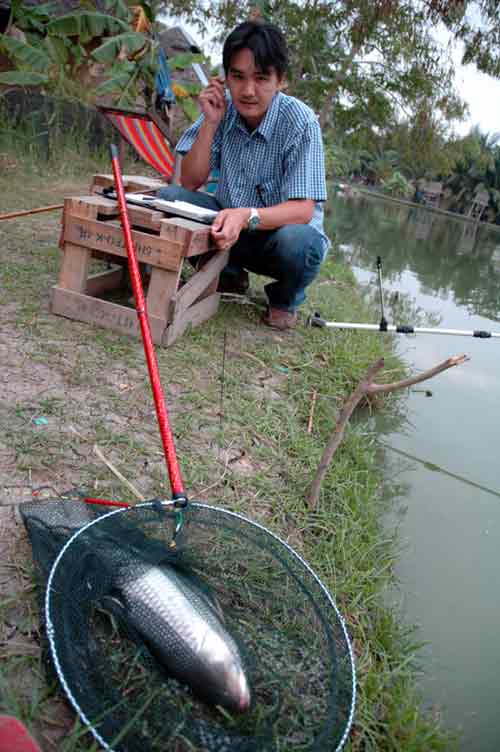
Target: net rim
{"type": "Point", "coordinates": [167, 503]}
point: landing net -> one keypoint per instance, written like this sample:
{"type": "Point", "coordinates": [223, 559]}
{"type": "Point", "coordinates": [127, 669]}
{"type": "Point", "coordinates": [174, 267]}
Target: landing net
{"type": "Point", "coordinates": [291, 638]}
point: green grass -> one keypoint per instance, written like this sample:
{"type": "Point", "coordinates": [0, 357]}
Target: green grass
{"type": "Point", "coordinates": [91, 386]}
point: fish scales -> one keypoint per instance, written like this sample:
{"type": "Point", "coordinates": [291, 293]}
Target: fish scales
{"type": "Point", "coordinates": [184, 632]}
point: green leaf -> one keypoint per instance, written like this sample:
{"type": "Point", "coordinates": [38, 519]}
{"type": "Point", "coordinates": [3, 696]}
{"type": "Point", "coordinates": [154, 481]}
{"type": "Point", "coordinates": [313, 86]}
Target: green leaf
{"type": "Point", "coordinates": [118, 9]}
{"type": "Point", "coordinates": [183, 61]}
{"type": "Point", "coordinates": [15, 78]}
{"type": "Point", "coordinates": [57, 50]}
{"type": "Point", "coordinates": [113, 85]}
{"type": "Point", "coordinates": [120, 67]}
{"type": "Point", "coordinates": [24, 54]}
{"type": "Point", "coordinates": [109, 50]}
{"type": "Point", "coordinates": [190, 109]}
{"type": "Point", "coordinates": [86, 25]}
{"type": "Point", "coordinates": [191, 88]}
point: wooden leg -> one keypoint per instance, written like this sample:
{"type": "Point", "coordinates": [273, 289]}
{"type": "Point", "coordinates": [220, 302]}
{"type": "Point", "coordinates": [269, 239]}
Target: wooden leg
{"type": "Point", "coordinates": [196, 288]}
{"type": "Point", "coordinates": [162, 288]}
{"type": "Point", "coordinates": [74, 267]}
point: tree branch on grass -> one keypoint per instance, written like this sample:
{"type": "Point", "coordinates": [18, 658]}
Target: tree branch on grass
{"type": "Point", "coordinates": [366, 387]}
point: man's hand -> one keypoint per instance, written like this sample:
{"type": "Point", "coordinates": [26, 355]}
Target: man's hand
{"type": "Point", "coordinates": [213, 101]}
{"type": "Point", "coordinates": [227, 226]}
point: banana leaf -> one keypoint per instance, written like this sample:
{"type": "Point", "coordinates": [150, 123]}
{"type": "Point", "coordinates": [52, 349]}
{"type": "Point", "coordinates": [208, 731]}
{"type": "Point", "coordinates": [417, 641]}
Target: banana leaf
{"type": "Point", "coordinates": [86, 25]}
{"type": "Point", "coordinates": [24, 54]}
{"type": "Point", "coordinates": [16, 78]}
{"type": "Point", "coordinates": [111, 48]}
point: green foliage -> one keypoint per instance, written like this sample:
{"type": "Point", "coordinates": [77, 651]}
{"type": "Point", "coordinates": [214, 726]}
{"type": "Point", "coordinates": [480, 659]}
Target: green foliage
{"type": "Point", "coordinates": [476, 23]}
{"type": "Point", "coordinates": [379, 164]}
{"type": "Point", "coordinates": [56, 50]}
{"type": "Point", "coordinates": [398, 186]}
{"type": "Point", "coordinates": [26, 55]}
{"type": "Point", "coordinates": [86, 26]}
{"type": "Point", "coordinates": [17, 78]}
{"type": "Point", "coordinates": [190, 109]}
{"type": "Point", "coordinates": [476, 168]}
{"type": "Point", "coordinates": [340, 160]}
{"type": "Point", "coordinates": [130, 41]}
{"type": "Point", "coordinates": [358, 63]}
{"type": "Point", "coordinates": [184, 60]}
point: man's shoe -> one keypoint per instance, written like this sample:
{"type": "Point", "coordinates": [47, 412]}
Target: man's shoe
{"type": "Point", "coordinates": [279, 319]}
{"type": "Point", "coordinates": [236, 284]}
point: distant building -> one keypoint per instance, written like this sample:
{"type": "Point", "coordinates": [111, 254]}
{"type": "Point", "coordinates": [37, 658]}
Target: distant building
{"type": "Point", "coordinates": [431, 193]}
{"type": "Point", "coordinates": [479, 205]}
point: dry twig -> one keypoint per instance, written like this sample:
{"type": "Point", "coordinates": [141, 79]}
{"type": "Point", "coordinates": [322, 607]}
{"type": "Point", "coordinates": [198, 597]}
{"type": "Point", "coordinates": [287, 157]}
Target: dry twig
{"type": "Point", "coordinates": [367, 386]}
{"type": "Point", "coordinates": [311, 411]}
{"type": "Point", "coordinates": [118, 474]}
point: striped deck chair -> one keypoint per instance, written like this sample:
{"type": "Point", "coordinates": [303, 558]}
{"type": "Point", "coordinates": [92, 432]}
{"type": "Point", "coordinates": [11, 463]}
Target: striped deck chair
{"type": "Point", "coordinates": [147, 133]}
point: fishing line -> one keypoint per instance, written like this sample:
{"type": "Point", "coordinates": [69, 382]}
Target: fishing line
{"type": "Point", "coordinates": [437, 469]}
{"type": "Point", "coordinates": [222, 382]}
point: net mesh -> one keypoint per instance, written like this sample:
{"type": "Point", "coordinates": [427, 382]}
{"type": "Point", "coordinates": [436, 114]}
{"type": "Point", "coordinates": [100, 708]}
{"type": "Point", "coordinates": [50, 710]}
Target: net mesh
{"type": "Point", "coordinates": [289, 635]}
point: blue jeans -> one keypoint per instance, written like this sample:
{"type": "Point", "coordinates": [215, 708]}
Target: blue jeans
{"type": "Point", "coordinates": [291, 255]}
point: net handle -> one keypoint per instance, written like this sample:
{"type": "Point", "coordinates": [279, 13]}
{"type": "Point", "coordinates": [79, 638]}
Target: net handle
{"type": "Point", "coordinates": [173, 468]}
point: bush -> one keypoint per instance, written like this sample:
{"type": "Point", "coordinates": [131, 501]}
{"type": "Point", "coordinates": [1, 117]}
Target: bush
{"type": "Point", "coordinates": [397, 185]}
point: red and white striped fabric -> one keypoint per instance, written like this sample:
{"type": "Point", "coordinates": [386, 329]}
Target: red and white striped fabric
{"type": "Point", "coordinates": [143, 134]}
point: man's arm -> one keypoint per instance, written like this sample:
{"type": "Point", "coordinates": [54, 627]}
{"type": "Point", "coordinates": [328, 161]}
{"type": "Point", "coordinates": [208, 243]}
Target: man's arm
{"type": "Point", "coordinates": [195, 167]}
{"type": "Point", "coordinates": [229, 223]}
{"type": "Point", "coordinates": [292, 212]}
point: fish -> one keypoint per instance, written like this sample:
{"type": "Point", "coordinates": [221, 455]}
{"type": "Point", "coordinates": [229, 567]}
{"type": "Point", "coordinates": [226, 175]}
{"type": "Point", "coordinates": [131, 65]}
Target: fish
{"type": "Point", "coordinates": [180, 625]}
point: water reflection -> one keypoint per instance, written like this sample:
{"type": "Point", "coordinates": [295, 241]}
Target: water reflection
{"type": "Point", "coordinates": [442, 253]}
{"type": "Point", "coordinates": [441, 456]}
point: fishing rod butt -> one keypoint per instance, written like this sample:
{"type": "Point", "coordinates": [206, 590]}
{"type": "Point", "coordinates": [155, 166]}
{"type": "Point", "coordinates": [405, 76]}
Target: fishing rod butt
{"type": "Point", "coordinates": [315, 320]}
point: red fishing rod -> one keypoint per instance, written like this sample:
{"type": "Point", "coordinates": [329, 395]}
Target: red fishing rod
{"type": "Point", "coordinates": [173, 468]}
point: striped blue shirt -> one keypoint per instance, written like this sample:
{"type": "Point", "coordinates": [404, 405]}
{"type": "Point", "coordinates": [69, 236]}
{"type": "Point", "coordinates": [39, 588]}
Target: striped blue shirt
{"type": "Point", "coordinates": [281, 159]}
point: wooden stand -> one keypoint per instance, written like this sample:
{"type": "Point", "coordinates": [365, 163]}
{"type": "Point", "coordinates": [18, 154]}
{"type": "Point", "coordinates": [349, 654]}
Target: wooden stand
{"type": "Point", "coordinates": [91, 228]}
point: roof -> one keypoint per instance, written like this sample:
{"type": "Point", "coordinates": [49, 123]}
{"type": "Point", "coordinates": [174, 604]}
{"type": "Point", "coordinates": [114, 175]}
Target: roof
{"type": "Point", "coordinates": [435, 188]}
{"type": "Point", "coordinates": [176, 40]}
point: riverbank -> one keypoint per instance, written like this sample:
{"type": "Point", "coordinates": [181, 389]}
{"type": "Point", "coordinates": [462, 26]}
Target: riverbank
{"type": "Point", "coordinates": [68, 386]}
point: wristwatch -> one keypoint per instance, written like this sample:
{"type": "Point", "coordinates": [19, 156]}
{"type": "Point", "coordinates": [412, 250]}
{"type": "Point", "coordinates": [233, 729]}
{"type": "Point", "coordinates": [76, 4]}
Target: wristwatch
{"type": "Point", "coordinates": [253, 220]}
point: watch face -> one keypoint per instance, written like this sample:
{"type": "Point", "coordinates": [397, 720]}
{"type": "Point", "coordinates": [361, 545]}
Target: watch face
{"type": "Point", "coordinates": [254, 221]}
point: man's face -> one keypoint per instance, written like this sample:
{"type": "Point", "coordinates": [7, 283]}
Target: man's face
{"type": "Point", "coordinates": [251, 89]}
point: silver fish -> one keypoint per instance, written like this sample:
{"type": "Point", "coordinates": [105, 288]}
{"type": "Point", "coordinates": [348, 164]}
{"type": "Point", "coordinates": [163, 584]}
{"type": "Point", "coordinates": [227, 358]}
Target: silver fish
{"type": "Point", "coordinates": [180, 625]}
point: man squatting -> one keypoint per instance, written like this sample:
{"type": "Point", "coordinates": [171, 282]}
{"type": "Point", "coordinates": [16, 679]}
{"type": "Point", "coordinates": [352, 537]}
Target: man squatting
{"type": "Point", "coordinates": [268, 149]}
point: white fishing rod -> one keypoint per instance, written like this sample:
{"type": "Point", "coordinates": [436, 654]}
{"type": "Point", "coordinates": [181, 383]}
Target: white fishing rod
{"type": "Point", "coordinates": [316, 320]}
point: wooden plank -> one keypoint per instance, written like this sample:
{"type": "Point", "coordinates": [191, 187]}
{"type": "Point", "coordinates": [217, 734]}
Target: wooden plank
{"type": "Point", "coordinates": [194, 287]}
{"type": "Point", "coordinates": [143, 217]}
{"type": "Point", "coordinates": [194, 236]}
{"type": "Point", "coordinates": [108, 237]}
{"type": "Point", "coordinates": [89, 207]}
{"type": "Point", "coordinates": [74, 267]}
{"type": "Point", "coordinates": [139, 183]}
{"type": "Point", "coordinates": [197, 314]}
{"type": "Point", "coordinates": [108, 207]}
{"type": "Point", "coordinates": [90, 310]}
{"type": "Point", "coordinates": [105, 281]}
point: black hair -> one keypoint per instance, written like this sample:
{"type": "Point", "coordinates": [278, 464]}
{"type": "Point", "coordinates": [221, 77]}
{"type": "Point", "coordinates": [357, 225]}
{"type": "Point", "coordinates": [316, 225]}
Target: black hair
{"type": "Point", "coordinates": [264, 40]}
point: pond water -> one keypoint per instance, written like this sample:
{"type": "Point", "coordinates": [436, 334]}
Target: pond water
{"type": "Point", "coordinates": [446, 453]}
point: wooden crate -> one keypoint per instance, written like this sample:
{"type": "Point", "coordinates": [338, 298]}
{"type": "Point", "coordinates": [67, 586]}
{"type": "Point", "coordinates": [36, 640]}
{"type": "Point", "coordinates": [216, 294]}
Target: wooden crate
{"type": "Point", "coordinates": [92, 228]}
